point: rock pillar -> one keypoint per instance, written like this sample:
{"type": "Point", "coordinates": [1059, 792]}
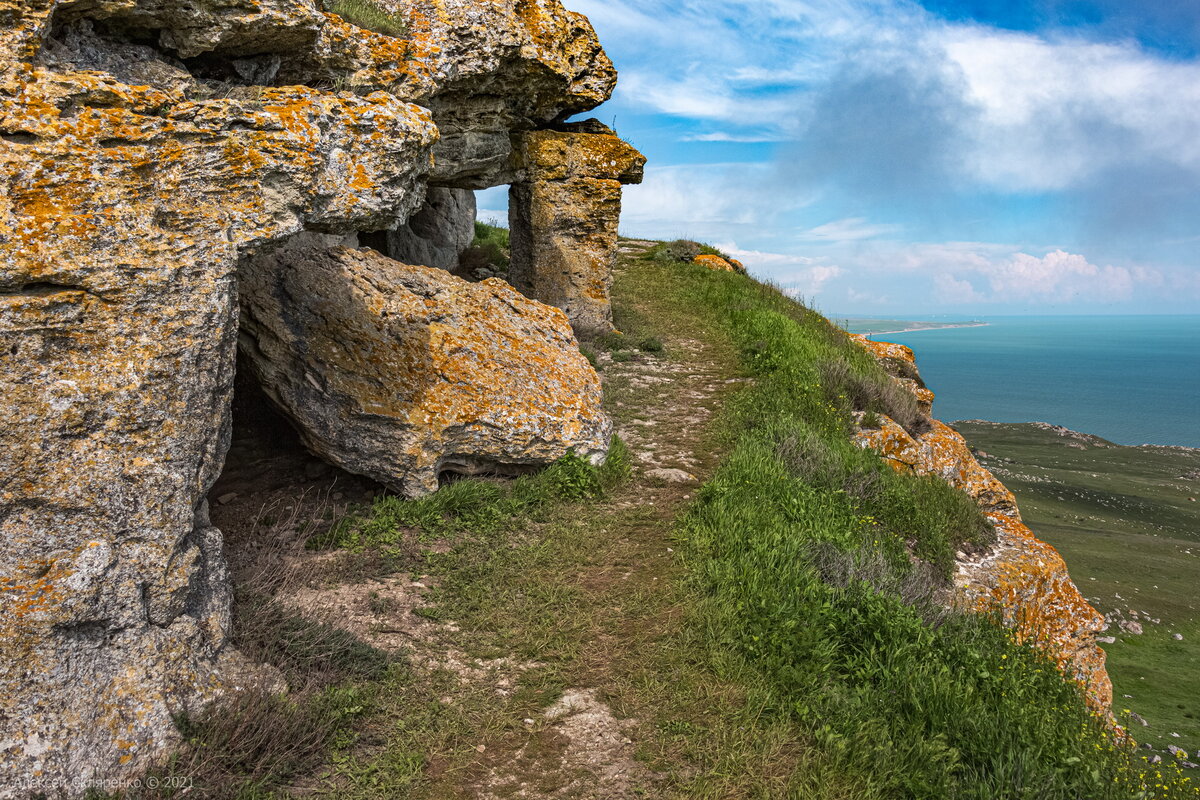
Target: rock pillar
{"type": "Point", "coordinates": [563, 215]}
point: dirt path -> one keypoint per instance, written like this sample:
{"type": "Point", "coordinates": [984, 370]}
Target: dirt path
{"type": "Point", "coordinates": [554, 686]}
{"type": "Point", "coordinates": [585, 744]}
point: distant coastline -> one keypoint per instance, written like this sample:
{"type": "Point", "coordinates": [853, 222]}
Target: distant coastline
{"type": "Point", "coordinates": [881, 327]}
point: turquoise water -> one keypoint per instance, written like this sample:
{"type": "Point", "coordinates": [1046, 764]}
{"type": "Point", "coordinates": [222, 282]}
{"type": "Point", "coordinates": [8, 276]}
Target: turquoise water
{"type": "Point", "coordinates": [1129, 379]}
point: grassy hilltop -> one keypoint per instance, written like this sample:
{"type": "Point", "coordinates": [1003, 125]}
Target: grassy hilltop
{"type": "Point", "coordinates": [729, 608]}
{"type": "Point", "coordinates": [1127, 519]}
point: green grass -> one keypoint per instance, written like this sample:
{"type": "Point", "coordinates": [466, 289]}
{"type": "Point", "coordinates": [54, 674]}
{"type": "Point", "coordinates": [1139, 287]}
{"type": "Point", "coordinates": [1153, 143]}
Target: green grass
{"type": "Point", "coordinates": [1123, 520]}
{"type": "Point", "coordinates": [369, 15]}
{"type": "Point", "coordinates": [768, 635]}
{"type": "Point", "coordinates": [478, 506]}
{"type": "Point", "coordinates": [489, 250]}
{"type": "Point", "coordinates": [807, 580]}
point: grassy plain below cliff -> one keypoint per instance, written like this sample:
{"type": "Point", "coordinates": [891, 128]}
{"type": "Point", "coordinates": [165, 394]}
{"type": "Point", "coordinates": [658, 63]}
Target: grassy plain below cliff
{"type": "Point", "coordinates": [1128, 522]}
{"type": "Point", "coordinates": [763, 635]}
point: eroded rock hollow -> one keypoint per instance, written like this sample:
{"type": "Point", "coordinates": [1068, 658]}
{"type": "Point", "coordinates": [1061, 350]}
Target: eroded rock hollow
{"type": "Point", "coordinates": [160, 159]}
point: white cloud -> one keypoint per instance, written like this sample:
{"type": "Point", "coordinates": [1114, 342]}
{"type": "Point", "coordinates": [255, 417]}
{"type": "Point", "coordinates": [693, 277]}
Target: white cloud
{"type": "Point", "coordinates": [721, 136]}
{"type": "Point", "coordinates": [846, 230]}
{"type": "Point", "coordinates": [1054, 113]}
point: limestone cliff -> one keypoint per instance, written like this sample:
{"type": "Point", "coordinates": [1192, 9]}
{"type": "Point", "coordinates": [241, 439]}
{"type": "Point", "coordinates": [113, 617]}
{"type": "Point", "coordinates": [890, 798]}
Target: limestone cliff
{"type": "Point", "coordinates": [1022, 579]}
{"type": "Point", "coordinates": [154, 154]}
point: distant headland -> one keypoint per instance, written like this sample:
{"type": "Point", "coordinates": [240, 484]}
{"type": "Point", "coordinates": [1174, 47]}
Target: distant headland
{"type": "Point", "coordinates": [869, 326]}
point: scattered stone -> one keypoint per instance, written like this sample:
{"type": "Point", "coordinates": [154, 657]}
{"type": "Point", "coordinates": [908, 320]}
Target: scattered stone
{"type": "Point", "coordinates": [227, 498]}
{"type": "Point", "coordinates": [1177, 637]}
{"type": "Point", "coordinates": [1136, 717]}
{"type": "Point", "coordinates": [1178, 752]}
{"type": "Point", "coordinates": [1129, 626]}
{"type": "Point", "coordinates": [1156, 759]}
{"type": "Point", "coordinates": [1106, 639]}
{"type": "Point", "coordinates": [672, 476]}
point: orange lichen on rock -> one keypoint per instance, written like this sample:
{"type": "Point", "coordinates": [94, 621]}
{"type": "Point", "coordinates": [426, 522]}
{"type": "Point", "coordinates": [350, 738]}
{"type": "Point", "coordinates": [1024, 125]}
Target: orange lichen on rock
{"type": "Point", "coordinates": [139, 182]}
{"type": "Point", "coordinates": [1021, 579]}
{"type": "Point", "coordinates": [403, 373]}
{"type": "Point", "coordinates": [715, 263]}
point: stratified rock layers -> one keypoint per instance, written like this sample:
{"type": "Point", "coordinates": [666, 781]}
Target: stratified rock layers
{"type": "Point", "coordinates": [1022, 579]}
{"type": "Point", "coordinates": [134, 189]}
{"type": "Point", "coordinates": [563, 217]}
{"type": "Point", "coordinates": [402, 373]}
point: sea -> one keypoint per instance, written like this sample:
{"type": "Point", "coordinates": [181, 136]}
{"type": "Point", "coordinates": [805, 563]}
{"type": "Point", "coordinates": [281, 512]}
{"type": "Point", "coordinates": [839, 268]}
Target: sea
{"type": "Point", "coordinates": [1129, 379]}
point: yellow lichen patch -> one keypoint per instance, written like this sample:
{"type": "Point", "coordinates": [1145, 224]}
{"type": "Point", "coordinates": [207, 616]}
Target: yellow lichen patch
{"type": "Point", "coordinates": [715, 263]}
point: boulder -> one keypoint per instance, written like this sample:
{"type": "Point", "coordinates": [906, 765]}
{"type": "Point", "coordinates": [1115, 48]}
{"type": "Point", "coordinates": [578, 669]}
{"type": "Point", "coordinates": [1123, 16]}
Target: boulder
{"type": "Point", "coordinates": [403, 373]}
{"type": "Point", "coordinates": [563, 218]}
{"type": "Point", "coordinates": [719, 263]}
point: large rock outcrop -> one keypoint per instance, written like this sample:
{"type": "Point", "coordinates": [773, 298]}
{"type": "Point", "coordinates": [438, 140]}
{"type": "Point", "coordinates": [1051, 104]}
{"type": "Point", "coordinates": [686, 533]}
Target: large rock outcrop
{"type": "Point", "coordinates": [1020, 578]}
{"type": "Point", "coordinates": [563, 214]}
{"type": "Point", "coordinates": [149, 149]}
{"type": "Point", "coordinates": [485, 68]}
{"type": "Point", "coordinates": [402, 373]}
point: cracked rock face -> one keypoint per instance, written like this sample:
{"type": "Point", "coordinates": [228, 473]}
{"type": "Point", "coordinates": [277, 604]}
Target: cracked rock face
{"type": "Point", "coordinates": [402, 373]}
{"type": "Point", "coordinates": [486, 68]}
{"type": "Point", "coordinates": [437, 234]}
{"type": "Point", "coordinates": [142, 167]}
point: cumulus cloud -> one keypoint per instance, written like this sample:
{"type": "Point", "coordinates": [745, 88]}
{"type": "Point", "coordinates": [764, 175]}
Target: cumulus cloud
{"type": "Point", "coordinates": [912, 133]}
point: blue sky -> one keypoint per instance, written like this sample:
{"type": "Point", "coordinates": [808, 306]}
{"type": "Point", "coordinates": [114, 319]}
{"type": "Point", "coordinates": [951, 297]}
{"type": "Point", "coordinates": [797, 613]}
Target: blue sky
{"type": "Point", "coordinates": [897, 158]}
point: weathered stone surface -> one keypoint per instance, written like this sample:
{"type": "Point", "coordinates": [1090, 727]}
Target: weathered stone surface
{"type": "Point", "coordinates": [230, 27]}
{"type": "Point", "coordinates": [437, 234]}
{"type": "Point", "coordinates": [124, 214]}
{"type": "Point", "coordinates": [402, 373]}
{"type": "Point", "coordinates": [901, 364]}
{"type": "Point", "coordinates": [719, 264]}
{"type": "Point", "coordinates": [1022, 579]}
{"type": "Point", "coordinates": [134, 189]}
{"type": "Point", "coordinates": [563, 218]}
{"type": "Point", "coordinates": [485, 68]}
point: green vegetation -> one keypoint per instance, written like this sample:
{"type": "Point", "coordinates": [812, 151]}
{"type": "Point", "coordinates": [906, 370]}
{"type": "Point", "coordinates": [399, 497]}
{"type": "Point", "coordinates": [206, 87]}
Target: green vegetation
{"type": "Point", "coordinates": [683, 250]}
{"type": "Point", "coordinates": [810, 584]}
{"type": "Point", "coordinates": [489, 251]}
{"type": "Point", "coordinates": [1124, 520]}
{"type": "Point", "coordinates": [766, 635]}
{"type": "Point", "coordinates": [479, 506]}
{"type": "Point", "coordinates": [369, 15]}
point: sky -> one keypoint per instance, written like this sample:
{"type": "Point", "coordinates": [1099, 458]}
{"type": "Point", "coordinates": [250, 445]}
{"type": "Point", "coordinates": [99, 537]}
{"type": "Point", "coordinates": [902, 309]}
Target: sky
{"type": "Point", "coordinates": [890, 157]}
